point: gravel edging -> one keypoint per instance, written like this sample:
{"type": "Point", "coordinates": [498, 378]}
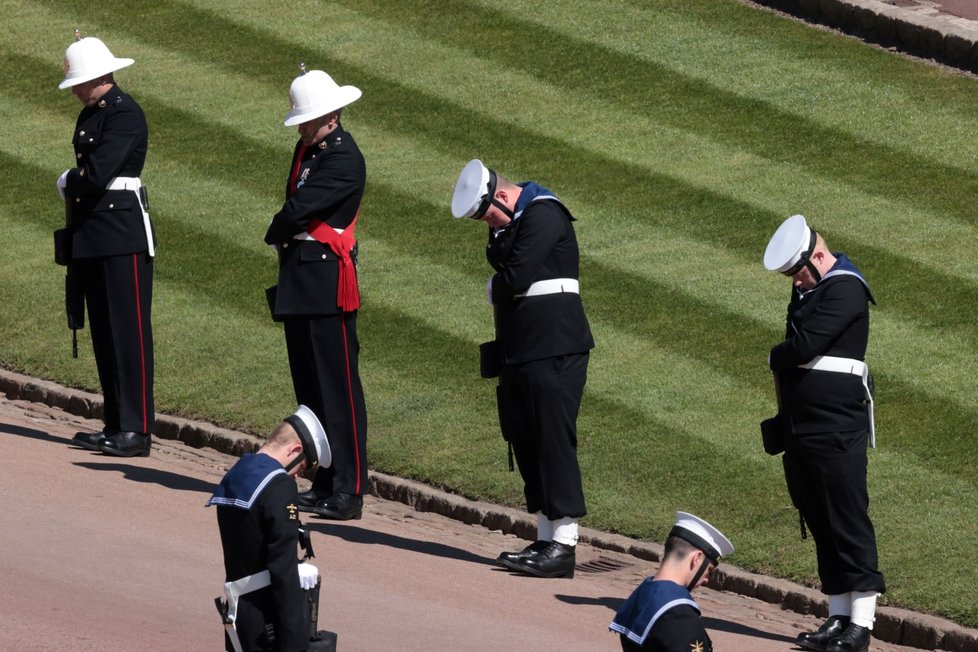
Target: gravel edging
{"type": "Point", "coordinates": [894, 625]}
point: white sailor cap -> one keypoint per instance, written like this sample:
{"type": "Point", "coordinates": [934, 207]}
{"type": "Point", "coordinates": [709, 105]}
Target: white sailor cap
{"type": "Point", "coordinates": [474, 190]}
{"type": "Point", "coordinates": [790, 246]}
{"type": "Point", "coordinates": [702, 535]}
{"type": "Point", "coordinates": [315, 446]}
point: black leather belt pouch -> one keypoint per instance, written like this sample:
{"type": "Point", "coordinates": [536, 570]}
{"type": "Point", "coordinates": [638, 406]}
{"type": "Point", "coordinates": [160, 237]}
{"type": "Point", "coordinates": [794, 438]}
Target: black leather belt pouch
{"type": "Point", "coordinates": [773, 435]}
{"type": "Point", "coordinates": [270, 294]}
{"type": "Point", "coordinates": [62, 247]}
{"type": "Point", "coordinates": [489, 359]}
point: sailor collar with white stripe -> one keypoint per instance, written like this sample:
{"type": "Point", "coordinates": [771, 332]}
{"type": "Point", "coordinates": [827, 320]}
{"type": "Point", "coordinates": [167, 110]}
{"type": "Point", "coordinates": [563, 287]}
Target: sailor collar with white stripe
{"type": "Point", "coordinates": [532, 192]}
{"type": "Point", "coordinates": [843, 267]}
{"type": "Point", "coordinates": [246, 480]}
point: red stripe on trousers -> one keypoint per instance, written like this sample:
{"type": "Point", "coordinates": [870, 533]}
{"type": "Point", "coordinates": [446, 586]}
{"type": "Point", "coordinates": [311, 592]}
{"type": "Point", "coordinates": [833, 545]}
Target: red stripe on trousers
{"type": "Point", "coordinates": [353, 413]}
{"type": "Point", "coordinates": [142, 348]}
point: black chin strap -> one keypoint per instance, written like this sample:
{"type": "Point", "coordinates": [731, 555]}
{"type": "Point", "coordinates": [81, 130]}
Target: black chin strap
{"type": "Point", "coordinates": [490, 198]}
{"type": "Point", "coordinates": [699, 573]}
{"type": "Point", "coordinates": [814, 272]}
{"type": "Point", "coordinates": [294, 463]}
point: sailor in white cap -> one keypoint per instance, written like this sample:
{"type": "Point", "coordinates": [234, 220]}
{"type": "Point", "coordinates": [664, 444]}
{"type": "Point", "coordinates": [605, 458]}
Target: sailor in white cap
{"type": "Point", "coordinates": [661, 615]}
{"type": "Point", "coordinates": [108, 245]}
{"type": "Point", "coordinates": [824, 423]}
{"type": "Point", "coordinates": [257, 512]}
{"type": "Point", "coordinates": [317, 296]}
{"type": "Point", "coordinates": [540, 353]}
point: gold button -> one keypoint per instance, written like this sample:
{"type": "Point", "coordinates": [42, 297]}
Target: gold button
{"type": "Point", "coordinates": [324, 256]}
{"type": "Point", "coordinates": [77, 199]}
{"type": "Point", "coordinates": [81, 133]}
{"type": "Point", "coordinates": [111, 205]}
{"type": "Point", "coordinates": [91, 139]}
{"type": "Point", "coordinates": [285, 245]}
{"type": "Point", "coordinates": [78, 155]}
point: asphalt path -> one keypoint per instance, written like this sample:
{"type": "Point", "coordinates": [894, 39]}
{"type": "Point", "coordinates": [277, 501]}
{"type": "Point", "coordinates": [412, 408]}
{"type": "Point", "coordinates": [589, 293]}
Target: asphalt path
{"type": "Point", "coordinates": [113, 554]}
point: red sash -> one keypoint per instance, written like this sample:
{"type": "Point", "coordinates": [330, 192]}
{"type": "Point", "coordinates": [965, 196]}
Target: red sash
{"type": "Point", "coordinates": [341, 244]}
{"type": "Point", "coordinates": [347, 292]}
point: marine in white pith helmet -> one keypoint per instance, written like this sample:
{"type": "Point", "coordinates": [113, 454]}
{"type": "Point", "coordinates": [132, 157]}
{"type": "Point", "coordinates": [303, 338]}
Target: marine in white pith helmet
{"type": "Point", "coordinates": [313, 94]}
{"type": "Point", "coordinates": [89, 58]}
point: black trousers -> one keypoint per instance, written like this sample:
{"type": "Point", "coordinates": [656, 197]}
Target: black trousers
{"type": "Point", "coordinates": [324, 360]}
{"type": "Point", "coordinates": [826, 476]}
{"type": "Point", "coordinates": [119, 295]}
{"type": "Point", "coordinates": [538, 406]}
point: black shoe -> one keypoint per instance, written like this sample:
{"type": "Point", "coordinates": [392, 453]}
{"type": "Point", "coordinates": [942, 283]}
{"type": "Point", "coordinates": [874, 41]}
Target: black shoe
{"type": "Point", "coordinates": [127, 444]}
{"type": "Point", "coordinates": [340, 507]}
{"type": "Point", "coordinates": [89, 440]}
{"type": "Point", "coordinates": [528, 551]}
{"type": "Point", "coordinates": [308, 499]}
{"type": "Point", "coordinates": [819, 639]}
{"type": "Point", "coordinates": [556, 560]}
{"type": "Point", "coordinates": [854, 639]}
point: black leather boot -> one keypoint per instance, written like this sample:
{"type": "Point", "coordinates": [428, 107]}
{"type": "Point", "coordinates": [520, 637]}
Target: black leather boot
{"type": "Point", "coordinates": [819, 639]}
{"type": "Point", "coordinates": [308, 499]}
{"type": "Point", "coordinates": [854, 639]}
{"type": "Point", "coordinates": [127, 444]}
{"type": "Point", "coordinates": [556, 560]}
{"type": "Point", "coordinates": [89, 440]}
{"type": "Point", "coordinates": [528, 551]}
{"type": "Point", "coordinates": [340, 507]}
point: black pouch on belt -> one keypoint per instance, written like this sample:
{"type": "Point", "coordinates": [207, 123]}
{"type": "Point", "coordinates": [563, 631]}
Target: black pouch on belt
{"type": "Point", "coordinates": [773, 434]}
{"type": "Point", "coordinates": [270, 294]}
{"type": "Point", "coordinates": [489, 359]}
{"type": "Point", "coordinates": [62, 247]}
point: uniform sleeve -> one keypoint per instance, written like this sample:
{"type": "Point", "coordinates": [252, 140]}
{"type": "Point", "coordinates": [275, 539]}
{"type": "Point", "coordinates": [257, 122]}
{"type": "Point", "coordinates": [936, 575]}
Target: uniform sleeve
{"type": "Point", "coordinates": [329, 184]}
{"type": "Point", "coordinates": [280, 522]}
{"type": "Point", "coordinates": [679, 630]}
{"type": "Point", "coordinates": [122, 132]}
{"type": "Point", "coordinates": [839, 304]}
{"type": "Point", "coordinates": [540, 227]}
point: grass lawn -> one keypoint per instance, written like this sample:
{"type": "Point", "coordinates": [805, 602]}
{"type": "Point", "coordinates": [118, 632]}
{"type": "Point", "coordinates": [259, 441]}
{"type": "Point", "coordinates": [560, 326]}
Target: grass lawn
{"type": "Point", "coordinates": [680, 132]}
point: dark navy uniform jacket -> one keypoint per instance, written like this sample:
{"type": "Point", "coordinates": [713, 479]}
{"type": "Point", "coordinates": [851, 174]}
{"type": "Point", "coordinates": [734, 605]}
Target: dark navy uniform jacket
{"type": "Point", "coordinates": [330, 183]}
{"type": "Point", "coordinates": [661, 616]}
{"type": "Point", "coordinates": [539, 245]}
{"type": "Point", "coordinates": [258, 517]}
{"type": "Point", "coordinates": [830, 319]}
{"type": "Point", "coordinates": [110, 141]}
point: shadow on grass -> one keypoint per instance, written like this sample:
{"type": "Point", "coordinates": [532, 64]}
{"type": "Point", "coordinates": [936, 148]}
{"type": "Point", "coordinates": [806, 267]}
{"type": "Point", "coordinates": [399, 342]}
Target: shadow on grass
{"type": "Point", "coordinates": [360, 535]}
{"type": "Point", "coordinates": [153, 476]}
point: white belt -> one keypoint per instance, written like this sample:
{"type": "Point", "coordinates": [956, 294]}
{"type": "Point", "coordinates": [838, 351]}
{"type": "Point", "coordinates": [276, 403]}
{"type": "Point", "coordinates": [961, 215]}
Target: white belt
{"type": "Point", "coordinates": [134, 184]}
{"type": "Point", "coordinates": [552, 286]}
{"type": "Point", "coordinates": [125, 183]}
{"type": "Point", "coordinates": [234, 590]}
{"type": "Point", "coordinates": [847, 366]}
{"type": "Point", "coordinates": [306, 236]}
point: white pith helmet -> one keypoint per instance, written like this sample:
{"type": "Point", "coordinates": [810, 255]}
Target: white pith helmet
{"type": "Point", "coordinates": [314, 94]}
{"type": "Point", "coordinates": [87, 59]}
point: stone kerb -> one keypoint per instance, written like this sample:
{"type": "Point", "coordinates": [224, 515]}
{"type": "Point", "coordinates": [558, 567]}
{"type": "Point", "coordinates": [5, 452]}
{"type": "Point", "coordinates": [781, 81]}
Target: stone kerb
{"type": "Point", "coordinates": [920, 30]}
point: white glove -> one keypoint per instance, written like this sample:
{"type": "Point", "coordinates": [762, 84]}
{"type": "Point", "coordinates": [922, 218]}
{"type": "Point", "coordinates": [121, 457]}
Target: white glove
{"type": "Point", "coordinates": [62, 182]}
{"type": "Point", "coordinates": [308, 575]}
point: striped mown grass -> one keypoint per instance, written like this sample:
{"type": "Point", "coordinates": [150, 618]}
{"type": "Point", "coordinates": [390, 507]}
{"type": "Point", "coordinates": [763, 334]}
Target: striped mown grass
{"type": "Point", "coordinates": [681, 132]}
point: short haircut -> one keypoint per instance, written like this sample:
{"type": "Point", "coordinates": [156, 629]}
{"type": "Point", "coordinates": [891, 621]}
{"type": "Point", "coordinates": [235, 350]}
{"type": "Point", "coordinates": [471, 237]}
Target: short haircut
{"type": "Point", "coordinates": [283, 435]}
{"type": "Point", "coordinates": [678, 548]}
